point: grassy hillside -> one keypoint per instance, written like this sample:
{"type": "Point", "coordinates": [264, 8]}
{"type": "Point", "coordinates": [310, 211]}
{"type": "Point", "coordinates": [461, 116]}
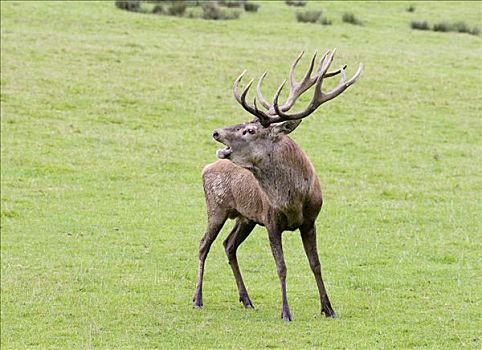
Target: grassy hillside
{"type": "Point", "coordinates": [106, 118]}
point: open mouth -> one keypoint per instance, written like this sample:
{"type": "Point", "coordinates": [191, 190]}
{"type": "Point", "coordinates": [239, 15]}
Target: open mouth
{"type": "Point", "coordinates": [224, 152]}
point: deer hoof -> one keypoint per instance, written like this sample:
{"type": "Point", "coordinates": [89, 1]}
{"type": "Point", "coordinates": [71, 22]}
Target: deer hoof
{"type": "Point", "coordinates": [246, 302]}
{"type": "Point", "coordinates": [249, 305]}
{"type": "Point", "coordinates": [286, 316]}
{"type": "Point", "coordinates": [329, 313]}
{"type": "Point", "coordinates": [197, 304]}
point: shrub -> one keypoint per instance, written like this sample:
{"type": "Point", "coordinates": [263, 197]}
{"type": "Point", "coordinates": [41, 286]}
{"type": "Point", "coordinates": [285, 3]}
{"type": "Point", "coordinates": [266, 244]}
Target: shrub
{"type": "Point", "coordinates": [461, 27]}
{"type": "Point", "coordinates": [308, 16]}
{"type": "Point", "coordinates": [192, 14]}
{"type": "Point", "coordinates": [231, 3]}
{"type": "Point", "coordinates": [411, 8]}
{"type": "Point", "coordinates": [177, 8]}
{"type": "Point", "coordinates": [158, 10]}
{"type": "Point", "coordinates": [132, 5]}
{"type": "Point", "coordinates": [299, 3]}
{"type": "Point", "coordinates": [325, 21]}
{"type": "Point", "coordinates": [349, 17]}
{"type": "Point", "coordinates": [443, 27]}
{"type": "Point", "coordinates": [250, 7]}
{"type": "Point", "coordinates": [420, 25]}
{"type": "Point", "coordinates": [211, 10]}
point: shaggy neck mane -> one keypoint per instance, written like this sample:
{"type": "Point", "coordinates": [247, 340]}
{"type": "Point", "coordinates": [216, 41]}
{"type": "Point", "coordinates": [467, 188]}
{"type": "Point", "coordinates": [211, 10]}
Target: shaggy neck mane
{"type": "Point", "coordinates": [286, 175]}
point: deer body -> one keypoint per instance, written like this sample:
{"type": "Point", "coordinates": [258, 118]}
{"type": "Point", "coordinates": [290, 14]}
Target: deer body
{"type": "Point", "coordinates": [264, 178]}
{"type": "Point", "coordinates": [284, 189]}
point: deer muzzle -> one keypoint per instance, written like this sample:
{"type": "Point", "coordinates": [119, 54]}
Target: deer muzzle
{"type": "Point", "coordinates": [224, 152]}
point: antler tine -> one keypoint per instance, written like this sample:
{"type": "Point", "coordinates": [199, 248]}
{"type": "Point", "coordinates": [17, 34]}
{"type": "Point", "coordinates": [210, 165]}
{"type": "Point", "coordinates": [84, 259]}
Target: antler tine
{"type": "Point", "coordinates": [235, 87]}
{"type": "Point", "coordinates": [262, 117]}
{"type": "Point", "coordinates": [276, 97]}
{"type": "Point", "coordinates": [322, 60]}
{"type": "Point", "coordinates": [245, 92]}
{"type": "Point", "coordinates": [343, 85]}
{"type": "Point", "coordinates": [261, 98]}
{"type": "Point", "coordinates": [318, 97]}
{"type": "Point", "coordinates": [331, 74]}
{"type": "Point", "coordinates": [292, 68]}
{"type": "Point", "coordinates": [242, 99]}
{"type": "Point", "coordinates": [297, 89]}
{"type": "Point", "coordinates": [307, 76]}
{"type": "Point", "coordinates": [327, 62]}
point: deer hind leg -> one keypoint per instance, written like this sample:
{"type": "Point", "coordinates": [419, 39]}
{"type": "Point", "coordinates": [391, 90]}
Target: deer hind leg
{"type": "Point", "coordinates": [215, 223]}
{"type": "Point", "coordinates": [308, 235]}
{"type": "Point", "coordinates": [240, 232]}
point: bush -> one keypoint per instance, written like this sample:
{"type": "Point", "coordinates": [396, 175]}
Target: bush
{"type": "Point", "coordinates": [325, 22]}
{"type": "Point", "coordinates": [192, 14]}
{"type": "Point", "coordinates": [132, 5]}
{"type": "Point", "coordinates": [420, 25]}
{"type": "Point", "coordinates": [475, 31]}
{"type": "Point", "coordinates": [411, 8]}
{"type": "Point", "coordinates": [177, 8]}
{"type": "Point", "coordinates": [299, 3]}
{"type": "Point", "coordinates": [461, 27]}
{"type": "Point", "coordinates": [349, 17]}
{"type": "Point", "coordinates": [250, 7]}
{"type": "Point", "coordinates": [211, 10]}
{"type": "Point", "coordinates": [231, 3]}
{"type": "Point", "coordinates": [443, 27]}
{"type": "Point", "coordinates": [308, 16]}
{"type": "Point", "coordinates": [158, 10]}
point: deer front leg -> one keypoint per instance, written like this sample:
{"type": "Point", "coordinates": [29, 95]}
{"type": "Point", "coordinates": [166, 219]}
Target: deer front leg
{"type": "Point", "coordinates": [277, 250]}
{"type": "Point", "coordinates": [240, 232]}
{"type": "Point", "coordinates": [215, 223]}
{"type": "Point", "coordinates": [308, 235]}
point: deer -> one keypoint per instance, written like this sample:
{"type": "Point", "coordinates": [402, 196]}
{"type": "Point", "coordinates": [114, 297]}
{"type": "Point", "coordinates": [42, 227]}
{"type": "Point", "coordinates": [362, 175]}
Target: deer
{"type": "Point", "coordinates": [262, 177]}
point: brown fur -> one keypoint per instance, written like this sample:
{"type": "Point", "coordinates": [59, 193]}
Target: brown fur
{"type": "Point", "coordinates": [235, 189]}
{"type": "Point", "coordinates": [280, 191]}
{"type": "Point", "coordinates": [268, 180]}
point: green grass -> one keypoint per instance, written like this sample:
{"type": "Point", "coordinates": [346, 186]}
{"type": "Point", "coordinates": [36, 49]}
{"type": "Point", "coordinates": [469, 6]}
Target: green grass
{"type": "Point", "coordinates": [106, 123]}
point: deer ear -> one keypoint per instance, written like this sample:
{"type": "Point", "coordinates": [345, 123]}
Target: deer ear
{"type": "Point", "coordinates": [285, 127]}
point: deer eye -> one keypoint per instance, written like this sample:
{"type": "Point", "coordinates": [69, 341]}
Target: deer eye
{"type": "Point", "coordinates": [251, 131]}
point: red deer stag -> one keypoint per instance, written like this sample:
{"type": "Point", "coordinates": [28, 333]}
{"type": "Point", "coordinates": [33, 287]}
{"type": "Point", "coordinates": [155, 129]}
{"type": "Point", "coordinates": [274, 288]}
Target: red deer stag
{"type": "Point", "coordinates": [264, 178]}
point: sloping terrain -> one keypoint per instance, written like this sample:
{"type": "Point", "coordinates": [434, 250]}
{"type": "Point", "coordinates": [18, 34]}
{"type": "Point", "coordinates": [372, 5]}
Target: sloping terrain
{"type": "Point", "coordinates": [106, 117]}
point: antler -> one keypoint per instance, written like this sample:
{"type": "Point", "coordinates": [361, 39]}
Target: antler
{"type": "Point", "coordinates": [277, 113]}
{"type": "Point", "coordinates": [264, 119]}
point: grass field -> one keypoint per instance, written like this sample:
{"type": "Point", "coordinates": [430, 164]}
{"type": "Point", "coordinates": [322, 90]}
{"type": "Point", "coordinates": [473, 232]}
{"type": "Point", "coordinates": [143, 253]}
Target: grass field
{"type": "Point", "coordinates": [106, 119]}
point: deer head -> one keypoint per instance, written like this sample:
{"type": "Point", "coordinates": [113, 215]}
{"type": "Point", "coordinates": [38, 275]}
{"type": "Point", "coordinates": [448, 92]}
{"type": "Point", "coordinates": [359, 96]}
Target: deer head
{"type": "Point", "coordinates": [248, 144]}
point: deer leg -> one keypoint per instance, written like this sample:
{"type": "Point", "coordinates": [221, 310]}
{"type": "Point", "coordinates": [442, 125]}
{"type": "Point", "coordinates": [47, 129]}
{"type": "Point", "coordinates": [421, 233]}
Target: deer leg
{"type": "Point", "coordinates": [240, 232]}
{"type": "Point", "coordinates": [308, 235]}
{"type": "Point", "coordinates": [215, 223]}
{"type": "Point", "coordinates": [277, 250]}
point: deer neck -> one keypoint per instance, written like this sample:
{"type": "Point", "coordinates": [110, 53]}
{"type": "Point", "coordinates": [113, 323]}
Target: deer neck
{"type": "Point", "coordinates": [285, 175]}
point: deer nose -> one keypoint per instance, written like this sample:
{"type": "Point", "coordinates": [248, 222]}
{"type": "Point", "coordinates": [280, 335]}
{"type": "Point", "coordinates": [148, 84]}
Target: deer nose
{"type": "Point", "coordinates": [215, 134]}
